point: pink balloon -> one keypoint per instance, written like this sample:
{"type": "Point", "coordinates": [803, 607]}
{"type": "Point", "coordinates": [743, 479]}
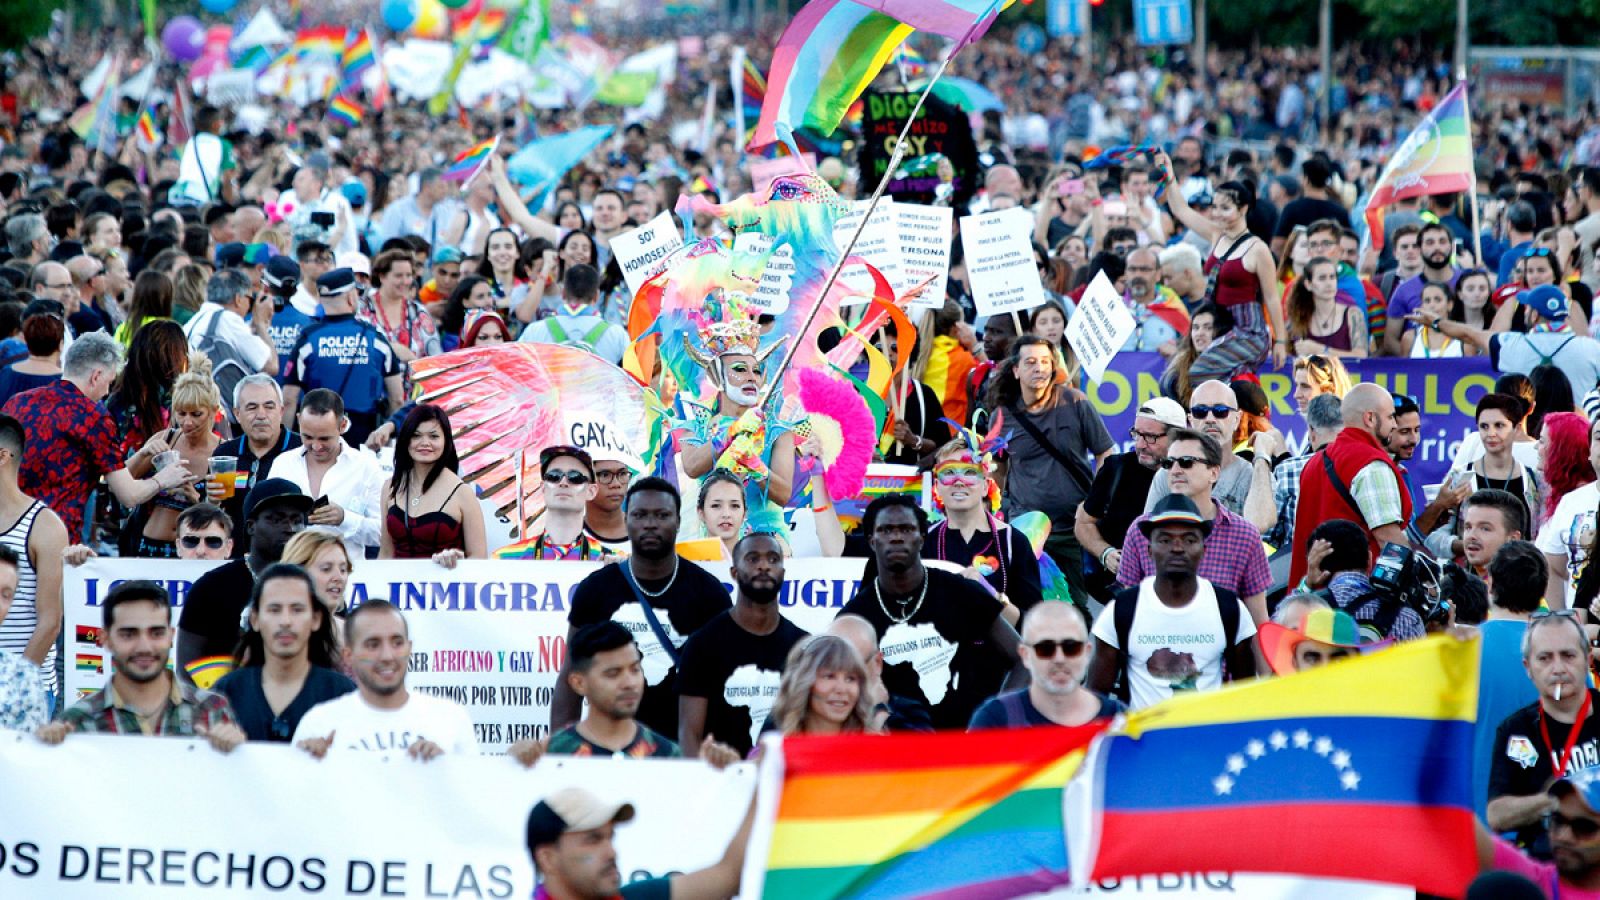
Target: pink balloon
{"type": "Point", "coordinates": [184, 37]}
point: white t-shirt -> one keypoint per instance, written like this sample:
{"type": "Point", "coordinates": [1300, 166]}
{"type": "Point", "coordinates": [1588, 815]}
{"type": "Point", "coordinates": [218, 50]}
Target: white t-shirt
{"type": "Point", "coordinates": [357, 726]}
{"type": "Point", "coordinates": [1571, 530]}
{"type": "Point", "coordinates": [233, 330]}
{"type": "Point", "coordinates": [1173, 649]}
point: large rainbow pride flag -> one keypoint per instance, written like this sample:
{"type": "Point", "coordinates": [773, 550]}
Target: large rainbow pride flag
{"type": "Point", "coordinates": [1436, 158]}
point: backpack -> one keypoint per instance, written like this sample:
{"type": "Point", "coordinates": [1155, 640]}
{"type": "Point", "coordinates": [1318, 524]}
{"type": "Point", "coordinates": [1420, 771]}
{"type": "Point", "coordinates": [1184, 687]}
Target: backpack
{"type": "Point", "coordinates": [587, 342]}
{"type": "Point", "coordinates": [1376, 627]}
{"type": "Point", "coordinates": [228, 365]}
{"type": "Point", "coordinates": [1127, 602]}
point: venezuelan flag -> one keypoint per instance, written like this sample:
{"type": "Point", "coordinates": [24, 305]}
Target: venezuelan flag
{"type": "Point", "coordinates": [1436, 158]}
{"type": "Point", "coordinates": [469, 161]}
{"type": "Point", "coordinates": [1361, 769]}
{"type": "Point", "coordinates": [343, 108]}
{"type": "Point", "coordinates": [972, 815]}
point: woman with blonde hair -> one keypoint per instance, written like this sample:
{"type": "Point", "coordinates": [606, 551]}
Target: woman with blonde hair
{"type": "Point", "coordinates": [188, 292]}
{"type": "Point", "coordinates": [824, 689]}
{"type": "Point", "coordinates": [321, 552]}
{"type": "Point", "coordinates": [193, 413]}
{"type": "Point", "coordinates": [1318, 374]}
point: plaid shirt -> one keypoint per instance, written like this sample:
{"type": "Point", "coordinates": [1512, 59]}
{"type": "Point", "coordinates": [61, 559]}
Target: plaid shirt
{"type": "Point", "coordinates": [1286, 499]}
{"type": "Point", "coordinates": [103, 712]}
{"type": "Point", "coordinates": [1234, 559]}
{"type": "Point", "coordinates": [1347, 589]}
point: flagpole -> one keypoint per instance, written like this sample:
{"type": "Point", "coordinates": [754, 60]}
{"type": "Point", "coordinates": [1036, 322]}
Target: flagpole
{"type": "Point", "coordinates": [1472, 190]}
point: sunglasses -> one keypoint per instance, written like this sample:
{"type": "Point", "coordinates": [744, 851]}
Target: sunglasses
{"type": "Point", "coordinates": [1070, 648]}
{"type": "Point", "coordinates": [573, 476]}
{"type": "Point", "coordinates": [1555, 613]}
{"type": "Point", "coordinates": [1183, 462]}
{"type": "Point", "coordinates": [958, 474]}
{"type": "Point", "coordinates": [1218, 412]}
{"type": "Point", "coordinates": [191, 541]}
{"type": "Point", "coordinates": [1582, 829]}
{"type": "Point", "coordinates": [1539, 251]}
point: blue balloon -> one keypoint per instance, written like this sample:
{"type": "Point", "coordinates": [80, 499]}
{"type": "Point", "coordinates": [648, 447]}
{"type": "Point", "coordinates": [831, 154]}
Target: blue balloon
{"type": "Point", "coordinates": [217, 7]}
{"type": "Point", "coordinates": [399, 14]}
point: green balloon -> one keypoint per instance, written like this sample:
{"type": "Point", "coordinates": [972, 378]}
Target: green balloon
{"type": "Point", "coordinates": [455, 4]}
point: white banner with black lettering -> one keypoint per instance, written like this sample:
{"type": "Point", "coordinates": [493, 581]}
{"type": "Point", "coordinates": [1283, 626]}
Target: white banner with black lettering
{"type": "Point", "coordinates": [110, 816]}
{"type": "Point", "coordinates": [489, 634]}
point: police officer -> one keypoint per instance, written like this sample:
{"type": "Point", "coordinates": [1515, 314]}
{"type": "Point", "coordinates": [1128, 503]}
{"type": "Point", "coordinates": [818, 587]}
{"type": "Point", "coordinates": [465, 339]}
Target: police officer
{"type": "Point", "coordinates": [345, 355]}
{"type": "Point", "coordinates": [282, 279]}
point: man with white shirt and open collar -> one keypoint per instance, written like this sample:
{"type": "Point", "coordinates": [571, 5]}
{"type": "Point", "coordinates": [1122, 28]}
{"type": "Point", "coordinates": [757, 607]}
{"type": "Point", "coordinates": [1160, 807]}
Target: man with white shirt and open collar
{"type": "Point", "coordinates": [344, 481]}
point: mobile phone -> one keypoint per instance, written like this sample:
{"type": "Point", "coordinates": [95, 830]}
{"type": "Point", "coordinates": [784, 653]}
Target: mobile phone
{"type": "Point", "coordinates": [319, 503]}
{"type": "Point", "coordinates": [1071, 187]}
{"type": "Point", "coordinates": [323, 219]}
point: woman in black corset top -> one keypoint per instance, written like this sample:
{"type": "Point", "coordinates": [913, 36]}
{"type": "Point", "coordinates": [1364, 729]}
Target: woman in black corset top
{"type": "Point", "coordinates": [432, 512]}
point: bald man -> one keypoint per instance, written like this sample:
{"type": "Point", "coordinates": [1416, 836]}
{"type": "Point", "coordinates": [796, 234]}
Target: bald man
{"type": "Point", "coordinates": [889, 712]}
{"type": "Point", "coordinates": [1056, 649]}
{"type": "Point", "coordinates": [1214, 411]}
{"type": "Point", "coordinates": [89, 283]}
{"type": "Point", "coordinates": [246, 222]}
{"type": "Point", "coordinates": [1362, 472]}
{"type": "Point", "coordinates": [1000, 181]}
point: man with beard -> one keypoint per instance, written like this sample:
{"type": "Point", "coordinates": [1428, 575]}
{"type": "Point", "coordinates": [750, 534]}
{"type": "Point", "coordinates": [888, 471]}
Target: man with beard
{"type": "Point", "coordinates": [1159, 317]}
{"type": "Point", "coordinates": [1055, 648]}
{"type": "Point", "coordinates": [934, 628]}
{"type": "Point", "coordinates": [1354, 477]}
{"type": "Point", "coordinates": [656, 594]}
{"type": "Point", "coordinates": [208, 629]}
{"type": "Point", "coordinates": [142, 697]}
{"type": "Point", "coordinates": [1557, 735]}
{"type": "Point", "coordinates": [382, 714]}
{"type": "Point", "coordinates": [284, 666]}
{"type": "Point", "coordinates": [1574, 831]}
{"type": "Point", "coordinates": [732, 666]}
{"type": "Point", "coordinates": [1438, 248]}
{"type": "Point", "coordinates": [1120, 487]}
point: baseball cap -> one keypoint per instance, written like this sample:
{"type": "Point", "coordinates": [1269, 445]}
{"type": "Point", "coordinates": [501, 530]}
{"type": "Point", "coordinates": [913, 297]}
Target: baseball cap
{"type": "Point", "coordinates": [281, 272]}
{"type": "Point", "coordinates": [1164, 410]}
{"type": "Point", "coordinates": [1586, 784]}
{"type": "Point", "coordinates": [336, 282]}
{"type": "Point", "coordinates": [355, 261]}
{"type": "Point", "coordinates": [257, 254]}
{"type": "Point", "coordinates": [275, 490]}
{"type": "Point", "coordinates": [230, 254]}
{"type": "Point", "coordinates": [1547, 300]}
{"type": "Point", "coordinates": [447, 255]}
{"type": "Point", "coordinates": [354, 191]}
{"type": "Point", "coordinates": [572, 809]}
{"type": "Point", "coordinates": [1333, 627]}
{"type": "Point", "coordinates": [1175, 509]}
{"type": "Point", "coordinates": [550, 454]}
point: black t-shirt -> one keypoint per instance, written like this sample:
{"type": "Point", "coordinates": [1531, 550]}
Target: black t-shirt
{"type": "Point", "coordinates": [1523, 764]}
{"type": "Point", "coordinates": [737, 673]}
{"type": "Point", "coordinates": [937, 653]}
{"type": "Point", "coordinates": [251, 469]}
{"type": "Point", "coordinates": [694, 598]}
{"type": "Point", "coordinates": [214, 605]}
{"type": "Point", "coordinates": [242, 687]}
{"type": "Point", "coordinates": [1117, 496]}
{"type": "Point", "coordinates": [1014, 573]}
{"type": "Point", "coordinates": [1005, 711]}
{"type": "Point", "coordinates": [1306, 210]}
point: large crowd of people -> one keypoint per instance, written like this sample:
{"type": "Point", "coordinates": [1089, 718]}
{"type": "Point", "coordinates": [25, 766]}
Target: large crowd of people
{"type": "Point", "coordinates": [207, 352]}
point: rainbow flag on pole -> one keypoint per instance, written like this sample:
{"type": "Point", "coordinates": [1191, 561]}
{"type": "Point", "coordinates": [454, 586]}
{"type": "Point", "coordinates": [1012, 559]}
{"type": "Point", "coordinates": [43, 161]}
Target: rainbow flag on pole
{"type": "Point", "coordinates": [146, 135]}
{"type": "Point", "coordinates": [469, 161]}
{"type": "Point", "coordinates": [833, 49]}
{"type": "Point", "coordinates": [1361, 769]}
{"type": "Point", "coordinates": [948, 815]}
{"type": "Point", "coordinates": [1436, 158]}
{"type": "Point", "coordinates": [358, 55]}
{"type": "Point", "coordinates": [344, 109]}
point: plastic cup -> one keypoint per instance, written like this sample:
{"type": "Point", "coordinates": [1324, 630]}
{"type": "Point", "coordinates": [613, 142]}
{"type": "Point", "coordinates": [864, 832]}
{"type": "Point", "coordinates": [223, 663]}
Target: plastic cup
{"type": "Point", "coordinates": [225, 471]}
{"type": "Point", "coordinates": [165, 458]}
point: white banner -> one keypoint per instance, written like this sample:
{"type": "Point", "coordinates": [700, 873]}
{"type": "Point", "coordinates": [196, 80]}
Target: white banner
{"type": "Point", "coordinates": [489, 634]}
{"type": "Point", "coordinates": [643, 252]}
{"type": "Point", "coordinates": [878, 246]}
{"type": "Point", "coordinates": [176, 819]}
{"type": "Point", "coordinates": [998, 248]}
{"type": "Point", "coordinates": [925, 243]}
{"type": "Point", "coordinates": [1100, 326]}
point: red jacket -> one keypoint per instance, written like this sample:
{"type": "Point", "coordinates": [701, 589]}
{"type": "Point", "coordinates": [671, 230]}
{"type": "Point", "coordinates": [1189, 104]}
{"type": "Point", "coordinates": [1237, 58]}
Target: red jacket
{"type": "Point", "coordinates": [1353, 450]}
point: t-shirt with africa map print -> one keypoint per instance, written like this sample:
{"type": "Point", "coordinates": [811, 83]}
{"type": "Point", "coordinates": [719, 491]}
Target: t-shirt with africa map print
{"type": "Point", "coordinates": [1173, 649]}
{"type": "Point", "coordinates": [738, 675]}
{"type": "Point", "coordinates": [935, 654]}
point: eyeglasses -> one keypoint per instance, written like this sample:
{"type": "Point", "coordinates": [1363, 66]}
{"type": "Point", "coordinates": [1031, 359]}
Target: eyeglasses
{"type": "Point", "coordinates": [1071, 648]}
{"type": "Point", "coordinates": [958, 474]}
{"type": "Point", "coordinates": [1217, 412]}
{"type": "Point", "coordinates": [573, 476]}
{"type": "Point", "coordinates": [57, 287]}
{"type": "Point", "coordinates": [191, 541]}
{"type": "Point", "coordinates": [1582, 829]}
{"type": "Point", "coordinates": [1183, 462]}
{"type": "Point", "coordinates": [618, 476]}
{"type": "Point", "coordinates": [1138, 435]}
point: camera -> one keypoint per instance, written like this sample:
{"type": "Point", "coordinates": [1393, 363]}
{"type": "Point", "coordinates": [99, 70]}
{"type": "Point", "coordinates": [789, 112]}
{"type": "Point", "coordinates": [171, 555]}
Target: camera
{"type": "Point", "coordinates": [1418, 581]}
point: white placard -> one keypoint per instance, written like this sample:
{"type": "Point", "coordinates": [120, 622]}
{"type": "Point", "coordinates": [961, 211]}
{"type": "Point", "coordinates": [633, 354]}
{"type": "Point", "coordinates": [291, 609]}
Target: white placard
{"type": "Point", "coordinates": [998, 248]}
{"type": "Point", "coordinates": [925, 250]}
{"type": "Point", "coordinates": [600, 437]}
{"type": "Point", "coordinates": [879, 245]}
{"type": "Point", "coordinates": [777, 279]}
{"type": "Point", "coordinates": [642, 253]}
{"type": "Point", "coordinates": [1100, 326]}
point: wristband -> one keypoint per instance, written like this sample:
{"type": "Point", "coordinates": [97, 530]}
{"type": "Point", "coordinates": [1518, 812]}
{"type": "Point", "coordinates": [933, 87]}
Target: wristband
{"type": "Point", "coordinates": [822, 509]}
{"type": "Point", "coordinates": [1103, 554]}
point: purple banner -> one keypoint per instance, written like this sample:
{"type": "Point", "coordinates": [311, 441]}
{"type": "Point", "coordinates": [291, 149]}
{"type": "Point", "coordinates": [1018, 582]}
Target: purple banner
{"type": "Point", "coordinates": [1447, 390]}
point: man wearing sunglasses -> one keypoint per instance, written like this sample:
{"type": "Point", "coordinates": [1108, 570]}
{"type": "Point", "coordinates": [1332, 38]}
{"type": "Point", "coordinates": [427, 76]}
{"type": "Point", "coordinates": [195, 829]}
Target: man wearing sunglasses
{"type": "Point", "coordinates": [204, 532]}
{"type": "Point", "coordinates": [1055, 648]}
{"type": "Point", "coordinates": [1556, 737]}
{"type": "Point", "coordinates": [1573, 825]}
{"type": "Point", "coordinates": [569, 485]}
{"type": "Point", "coordinates": [1214, 411]}
{"type": "Point", "coordinates": [1120, 488]}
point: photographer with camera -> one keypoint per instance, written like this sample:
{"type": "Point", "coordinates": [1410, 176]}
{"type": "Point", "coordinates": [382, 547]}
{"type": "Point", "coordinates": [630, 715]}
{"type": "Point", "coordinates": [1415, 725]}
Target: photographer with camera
{"type": "Point", "coordinates": [1338, 560]}
{"type": "Point", "coordinates": [314, 211]}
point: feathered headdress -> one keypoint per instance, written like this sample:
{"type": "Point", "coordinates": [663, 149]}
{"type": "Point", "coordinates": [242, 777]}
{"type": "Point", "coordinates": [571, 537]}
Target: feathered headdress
{"type": "Point", "coordinates": [980, 451]}
{"type": "Point", "coordinates": [725, 325]}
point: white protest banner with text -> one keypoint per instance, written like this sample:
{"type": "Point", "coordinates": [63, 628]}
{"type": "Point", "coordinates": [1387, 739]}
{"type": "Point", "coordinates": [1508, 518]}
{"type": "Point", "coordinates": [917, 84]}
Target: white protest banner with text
{"type": "Point", "coordinates": [777, 279]}
{"type": "Point", "coordinates": [1099, 327]}
{"type": "Point", "coordinates": [925, 249]}
{"type": "Point", "coordinates": [489, 634]}
{"type": "Point", "coordinates": [642, 253]}
{"type": "Point", "coordinates": [179, 820]}
{"type": "Point", "coordinates": [998, 248]}
{"type": "Point", "coordinates": [878, 246]}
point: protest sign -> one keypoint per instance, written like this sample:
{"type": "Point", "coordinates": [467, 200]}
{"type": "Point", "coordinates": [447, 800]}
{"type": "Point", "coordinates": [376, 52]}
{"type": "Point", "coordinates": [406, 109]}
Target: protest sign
{"type": "Point", "coordinates": [189, 822]}
{"type": "Point", "coordinates": [777, 279]}
{"type": "Point", "coordinates": [925, 250]}
{"type": "Point", "coordinates": [1099, 327]}
{"type": "Point", "coordinates": [489, 634]}
{"type": "Point", "coordinates": [941, 129]}
{"type": "Point", "coordinates": [600, 437]}
{"type": "Point", "coordinates": [998, 248]}
{"type": "Point", "coordinates": [642, 253]}
{"type": "Point", "coordinates": [879, 245]}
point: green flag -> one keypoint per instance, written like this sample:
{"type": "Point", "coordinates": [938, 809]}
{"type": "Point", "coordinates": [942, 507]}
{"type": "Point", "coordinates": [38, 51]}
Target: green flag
{"type": "Point", "coordinates": [528, 31]}
{"type": "Point", "coordinates": [440, 102]}
{"type": "Point", "coordinates": [626, 88]}
{"type": "Point", "coordinates": [148, 9]}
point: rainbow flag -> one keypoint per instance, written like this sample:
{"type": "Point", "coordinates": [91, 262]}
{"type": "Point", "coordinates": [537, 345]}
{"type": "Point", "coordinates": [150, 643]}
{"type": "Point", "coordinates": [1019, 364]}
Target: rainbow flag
{"type": "Point", "coordinates": [95, 122]}
{"type": "Point", "coordinates": [1436, 158]}
{"type": "Point", "coordinates": [344, 109]}
{"type": "Point", "coordinates": [1361, 769]}
{"type": "Point", "coordinates": [324, 40]}
{"type": "Point", "coordinates": [359, 55]}
{"type": "Point", "coordinates": [484, 30]}
{"type": "Point", "coordinates": [833, 49]}
{"type": "Point", "coordinates": [469, 161]}
{"type": "Point", "coordinates": [206, 671]}
{"type": "Point", "coordinates": [945, 815]}
{"type": "Point", "coordinates": [145, 133]}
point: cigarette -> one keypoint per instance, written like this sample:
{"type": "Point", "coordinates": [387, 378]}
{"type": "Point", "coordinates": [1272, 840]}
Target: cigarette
{"type": "Point", "coordinates": [1558, 693]}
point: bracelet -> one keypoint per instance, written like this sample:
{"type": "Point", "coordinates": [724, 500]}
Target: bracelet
{"type": "Point", "coordinates": [1103, 554]}
{"type": "Point", "coordinates": [822, 509]}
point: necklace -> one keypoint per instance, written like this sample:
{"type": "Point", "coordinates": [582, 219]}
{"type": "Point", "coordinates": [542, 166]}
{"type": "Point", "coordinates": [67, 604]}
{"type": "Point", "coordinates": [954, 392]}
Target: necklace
{"type": "Point", "coordinates": [1325, 326]}
{"type": "Point", "coordinates": [670, 581]}
{"type": "Point", "coordinates": [994, 542]}
{"type": "Point", "coordinates": [877, 588]}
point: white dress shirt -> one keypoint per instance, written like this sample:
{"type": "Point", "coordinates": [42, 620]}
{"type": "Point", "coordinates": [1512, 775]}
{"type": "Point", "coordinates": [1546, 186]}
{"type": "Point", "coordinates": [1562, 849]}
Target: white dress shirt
{"type": "Point", "coordinates": [354, 483]}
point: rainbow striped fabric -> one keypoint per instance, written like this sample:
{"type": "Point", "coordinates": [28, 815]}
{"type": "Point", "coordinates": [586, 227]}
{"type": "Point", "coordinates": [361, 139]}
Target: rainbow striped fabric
{"type": "Point", "coordinates": [833, 49]}
{"type": "Point", "coordinates": [344, 108]}
{"type": "Point", "coordinates": [145, 133]}
{"type": "Point", "coordinates": [1436, 158]}
{"type": "Point", "coordinates": [469, 161]}
{"type": "Point", "coordinates": [947, 815]}
{"type": "Point", "coordinates": [359, 55]}
{"type": "Point", "coordinates": [1361, 769]}
{"type": "Point", "coordinates": [323, 40]}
